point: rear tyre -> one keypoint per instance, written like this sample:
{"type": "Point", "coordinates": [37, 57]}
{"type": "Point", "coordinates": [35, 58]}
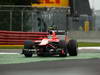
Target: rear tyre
{"type": "Point", "coordinates": [63, 46]}
{"type": "Point", "coordinates": [72, 48]}
{"type": "Point", "coordinates": [28, 45]}
{"type": "Point", "coordinates": [28, 53]}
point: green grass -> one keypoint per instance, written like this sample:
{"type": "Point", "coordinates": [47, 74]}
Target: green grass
{"type": "Point", "coordinates": [87, 44]}
{"type": "Point", "coordinates": [80, 44]}
{"type": "Point", "coordinates": [17, 58]}
{"type": "Point", "coordinates": [11, 46]}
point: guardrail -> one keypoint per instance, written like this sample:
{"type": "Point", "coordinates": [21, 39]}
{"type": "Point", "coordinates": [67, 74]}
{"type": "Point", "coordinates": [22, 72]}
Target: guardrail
{"type": "Point", "coordinates": [18, 38]}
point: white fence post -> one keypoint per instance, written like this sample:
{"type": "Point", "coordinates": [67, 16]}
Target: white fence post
{"type": "Point", "coordinates": [10, 20]}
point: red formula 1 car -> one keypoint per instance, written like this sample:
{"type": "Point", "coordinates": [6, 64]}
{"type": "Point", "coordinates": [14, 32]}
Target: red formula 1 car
{"type": "Point", "coordinates": [50, 46]}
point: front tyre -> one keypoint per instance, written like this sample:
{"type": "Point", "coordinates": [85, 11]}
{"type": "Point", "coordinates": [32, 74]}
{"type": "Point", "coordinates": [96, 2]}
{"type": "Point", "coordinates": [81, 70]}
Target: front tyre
{"type": "Point", "coordinates": [72, 48]}
{"type": "Point", "coordinates": [28, 53]}
{"type": "Point", "coordinates": [28, 46]}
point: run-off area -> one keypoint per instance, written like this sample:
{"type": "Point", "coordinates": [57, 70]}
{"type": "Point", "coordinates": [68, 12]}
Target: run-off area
{"type": "Point", "coordinates": [15, 57]}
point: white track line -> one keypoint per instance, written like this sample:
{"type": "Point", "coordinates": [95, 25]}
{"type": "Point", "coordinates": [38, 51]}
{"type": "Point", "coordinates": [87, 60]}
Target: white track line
{"type": "Point", "coordinates": [80, 48]}
{"type": "Point", "coordinates": [8, 53]}
{"type": "Point", "coordinates": [84, 48]}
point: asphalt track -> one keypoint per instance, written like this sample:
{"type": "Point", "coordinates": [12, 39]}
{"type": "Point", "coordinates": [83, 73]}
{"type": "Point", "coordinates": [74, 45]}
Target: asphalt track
{"type": "Point", "coordinates": [67, 67]}
{"type": "Point", "coordinates": [59, 67]}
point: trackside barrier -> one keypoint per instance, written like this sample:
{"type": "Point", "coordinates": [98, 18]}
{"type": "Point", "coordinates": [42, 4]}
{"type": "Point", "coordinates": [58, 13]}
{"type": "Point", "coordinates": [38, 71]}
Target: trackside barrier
{"type": "Point", "coordinates": [18, 38]}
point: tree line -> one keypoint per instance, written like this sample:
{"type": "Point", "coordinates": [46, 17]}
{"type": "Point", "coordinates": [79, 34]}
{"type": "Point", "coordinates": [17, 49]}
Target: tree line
{"type": "Point", "coordinates": [18, 2]}
{"type": "Point", "coordinates": [15, 2]}
{"type": "Point", "coordinates": [15, 15]}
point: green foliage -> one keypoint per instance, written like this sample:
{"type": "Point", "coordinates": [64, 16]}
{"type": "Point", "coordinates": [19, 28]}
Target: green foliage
{"type": "Point", "coordinates": [15, 2]}
{"type": "Point", "coordinates": [14, 20]}
{"type": "Point", "coordinates": [16, 24]}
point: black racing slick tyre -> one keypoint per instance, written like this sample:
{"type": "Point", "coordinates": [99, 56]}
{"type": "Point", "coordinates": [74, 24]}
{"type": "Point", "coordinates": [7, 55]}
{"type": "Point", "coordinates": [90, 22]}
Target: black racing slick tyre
{"type": "Point", "coordinates": [28, 53]}
{"type": "Point", "coordinates": [63, 46]}
{"type": "Point", "coordinates": [72, 47]}
{"type": "Point", "coordinates": [28, 45]}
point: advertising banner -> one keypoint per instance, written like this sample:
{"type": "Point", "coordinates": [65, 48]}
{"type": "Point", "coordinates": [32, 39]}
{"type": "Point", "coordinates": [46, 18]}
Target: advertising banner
{"type": "Point", "coordinates": [50, 3]}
